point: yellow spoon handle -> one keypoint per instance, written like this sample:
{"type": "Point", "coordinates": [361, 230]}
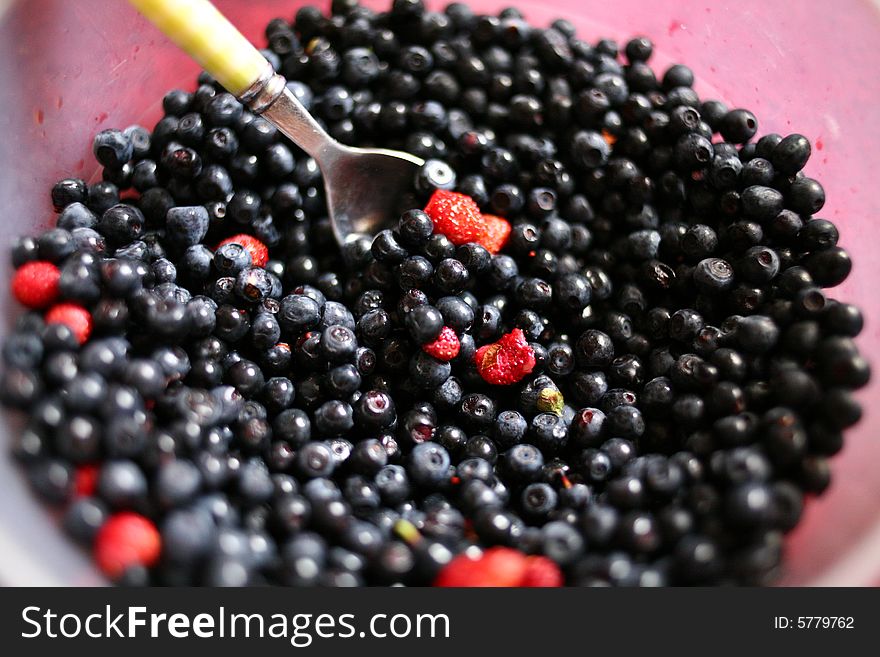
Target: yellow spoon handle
{"type": "Point", "coordinates": [209, 38]}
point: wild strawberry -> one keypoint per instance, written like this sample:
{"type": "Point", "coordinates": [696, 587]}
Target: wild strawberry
{"type": "Point", "coordinates": [259, 252]}
{"type": "Point", "coordinates": [457, 216]}
{"type": "Point", "coordinates": [126, 539]}
{"type": "Point", "coordinates": [541, 571]}
{"type": "Point", "coordinates": [498, 566]}
{"type": "Point", "coordinates": [461, 571]}
{"type": "Point", "coordinates": [35, 284]}
{"type": "Point", "coordinates": [445, 347]}
{"type": "Point", "coordinates": [85, 480]}
{"type": "Point", "coordinates": [497, 232]}
{"type": "Point", "coordinates": [506, 361]}
{"type": "Point", "coordinates": [76, 317]}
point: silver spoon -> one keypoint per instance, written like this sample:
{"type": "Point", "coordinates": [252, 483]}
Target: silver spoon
{"type": "Point", "coordinates": [362, 185]}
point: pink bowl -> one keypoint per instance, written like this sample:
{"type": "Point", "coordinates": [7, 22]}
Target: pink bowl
{"type": "Point", "coordinates": [69, 69]}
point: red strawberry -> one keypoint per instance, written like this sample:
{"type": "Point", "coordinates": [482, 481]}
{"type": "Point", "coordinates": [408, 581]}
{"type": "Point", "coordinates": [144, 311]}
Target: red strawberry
{"type": "Point", "coordinates": [126, 539]}
{"type": "Point", "coordinates": [498, 566]}
{"type": "Point", "coordinates": [76, 317]}
{"type": "Point", "coordinates": [506, 361]}
{"type": "Point", "coordinates": [541, 571]}
{"type": "Point", "coordinates": [497, 232]}
{"type": "Point", "coordinates": [86, 480]}
{"type": "Point", "coordinates": [259, 252]}
{"type": "Point", "coordinates": [445, 347]}
{"type": "Point", "coordinates": [457, 216]}
{"type": "Point", "coordinates": [35, 284]}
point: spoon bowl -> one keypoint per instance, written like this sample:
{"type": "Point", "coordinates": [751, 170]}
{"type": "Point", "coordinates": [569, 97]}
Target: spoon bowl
{"type": "Point", "coordinates": [362, 185]}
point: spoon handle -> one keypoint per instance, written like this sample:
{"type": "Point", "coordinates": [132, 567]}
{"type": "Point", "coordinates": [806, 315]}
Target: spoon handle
{"type": "Point", "coordinates": [207, 36]}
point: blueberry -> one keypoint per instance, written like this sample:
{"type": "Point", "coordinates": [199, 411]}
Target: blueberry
{"type": "Point", "coordinates": [693, 151]}
{"type": "Point", "coordinates": [509, 428]}
{"type": "Point", "coordinates": [102, 195]}
{"type": "Point", "coordinates": [523, 462]}
{"type": "Point", "coordinates": [434, 174]}
{"type": "Point", "coordinates": [52, 479]}
{"type": "Point", "coordinates": [829, 267]}
{"type": "Point", "coordinates": [298, 313]}
{"type": "Point", "coordinates": [85, 392]}
{"type": "Point", "coordinates": [177, 483]}
{"type": "Point", "coordinates": [182, 162]}
{"type": "Point", "coordinates": [561, 542]}
{"type": "Point", "coordinates": [594, 349]}
{"type": "Point", "coordinates": [333, 418]}
{"type": "Point", "coordinates": [429, 465]}
{"type": "Point", "coordinates": [253, 284]}
{"type": "Point", "coordinates": [587, 427]}
{"type": "Point", "coordinates": [684, 324]}
{"type": "Point", "coordinates": [315, 460]}
{"type": "Point", "coordinates": [338, 344]}
{"type": "Point", "coordinates": [393, 484]}
{"type": "Point", "coordinates": [428, 372]}
{"type": "Point", "coordinates": [188, 225]}
{"type": "Point", "coordinates": [456, 313]}
{"type": "Point", "coordinates": [223, 109]}
{"type": "Point", "coordinates": [76, 215]}
{"type": "Point", "coordinates": [187, 535]}
{"type": "Point", "coordinates": [573, 292]}
{"type": "Point", "coordinates": [79, 439]}
{"type": "Point", "coordinates": [145, 376]}
{"type": "Point", "coordinates": [714, 275]}
{"type": "Point", "coordinates": [122, 484]}
{"type": "Point", "coordinates": [293, 426]}
{"type": "Point", "coordinates": [176, 102]}
{"type": "Point", "coordinates": [336, 314]}
{"type": "Point", "coordinates": [414, 228]}
{"type": "Point", "coordinates": [68, 191]}
{"type": "Point", "coordinates": [84, 518]}
{"type": "Point", "coordinates": [121, 223]}
{"type": "Point", "coordinates": [450, 275]}
{"type": "Point", "coordinates": [424, 323]}
{"type": "Point", "coordinates": [477, 411]}
{"type": "Point", "coordinates": [738, 126]}
{"type": "Point", "coordinates": [112, 148]}
{"type": "Point", "coordinates": [368, 457]}
{"type": "Point", "coordinates": [791, 154]}
{"type": "Point", "coordinates": [549, 432]}
{"type": "Point", "coordinates": [374, 410]}
{"type": "Point", "coordinates": [761, 203]}
{"type": "Point", "coordinates": [757, 334]}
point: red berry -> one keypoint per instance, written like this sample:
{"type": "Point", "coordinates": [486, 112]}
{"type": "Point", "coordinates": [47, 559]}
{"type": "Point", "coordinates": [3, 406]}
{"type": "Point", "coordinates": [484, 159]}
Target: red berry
{"type": "Point", "coordinates": [541, 571]}
{"type": "Point", "coordinates": [506, 361]}
{"type": "Point", "coordinates": [35, 284]}
{"type": "Point", "coordinates": [445, 347]}
{"type": "Point", "coordinates": [457, 216]}
{"type": "Point", "coordinates": [86, 480]}
{"type": "Point", "coordinates": [259, 252]}
{"type": "Point", "coordinates": [498, 566]}
{"type": "Point", "coordinates": [497, 232]}
{"type": "Point", "coordinates": [126, 539]}
{"type": "Point", "coordinates": [461, 571]}
{"type": "Point", "coordinates": [76, 317]}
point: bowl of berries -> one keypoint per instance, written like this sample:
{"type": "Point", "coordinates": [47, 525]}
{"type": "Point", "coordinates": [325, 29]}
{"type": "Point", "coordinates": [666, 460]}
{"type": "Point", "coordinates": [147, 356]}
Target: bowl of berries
{"type": "Point", "coordinates": [610, 338]}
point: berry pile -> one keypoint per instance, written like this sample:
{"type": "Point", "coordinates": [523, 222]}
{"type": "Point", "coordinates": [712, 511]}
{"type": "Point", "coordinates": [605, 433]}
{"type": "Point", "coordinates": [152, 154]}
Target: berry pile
{"type": "Point", "coordinates": [595, 349]}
